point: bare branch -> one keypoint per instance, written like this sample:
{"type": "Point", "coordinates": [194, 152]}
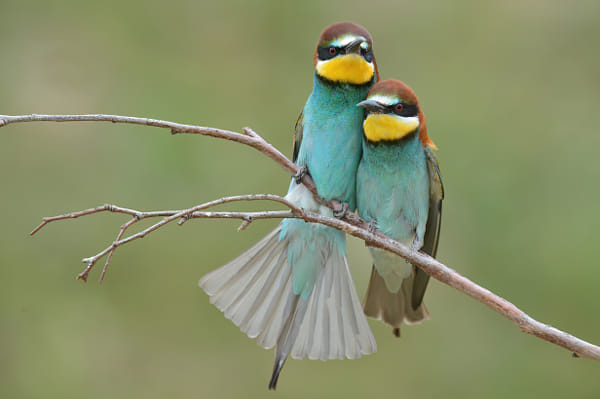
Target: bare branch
{"type": "Point", "coordinates": [169, 216]}
{"type": "Point", "coordinates": [351, 224]}
{"type": "Point", "coordinates": [110, 254]}
{"type": "Point", "coordinates": [446, 275]}
{"type": "Point", "coordinates": [249, 137]}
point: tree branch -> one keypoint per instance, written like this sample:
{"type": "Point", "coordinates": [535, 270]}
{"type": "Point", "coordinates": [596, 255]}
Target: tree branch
{"type": "Point", "coordinates": [351, 224]}
{"type": "Point", "coordinates": [249, 137]}
{"type": "Point", "coordinates": [168, 216]}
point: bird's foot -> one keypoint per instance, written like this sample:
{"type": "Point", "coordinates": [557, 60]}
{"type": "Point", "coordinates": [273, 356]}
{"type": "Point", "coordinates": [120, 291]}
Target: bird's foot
{"type": "Point", "coordinates": [416, 244]}
{"type": "Point", "coordinates": [340, 209]}
{"type": "Point", "coordinates": [302, 171]}
{"type": "Point", "coordinates": [372, 226]}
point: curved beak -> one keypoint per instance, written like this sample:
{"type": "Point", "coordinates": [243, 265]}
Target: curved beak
{"type": "Point", "coordinates": [354, 45]}
{"type": "Point", "coordinates": [372, 106]}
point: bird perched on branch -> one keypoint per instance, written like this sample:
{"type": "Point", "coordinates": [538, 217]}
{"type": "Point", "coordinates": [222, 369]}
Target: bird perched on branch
{"type": "Point", "coordinates": [399, 192]}
{"type": "Point", "coordinates": [293, 289]}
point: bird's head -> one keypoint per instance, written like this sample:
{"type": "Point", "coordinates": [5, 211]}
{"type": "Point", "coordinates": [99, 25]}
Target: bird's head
{"type": "Point", "coordinates": [344, 54]}
{"type": "Point", "coordinates": [393, 113]}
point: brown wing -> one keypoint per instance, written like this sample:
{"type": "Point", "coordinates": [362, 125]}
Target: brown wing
{"type": "Point", "coordinates": [298, 136]}
{"type": "Point", "coordinates": [434, 220]}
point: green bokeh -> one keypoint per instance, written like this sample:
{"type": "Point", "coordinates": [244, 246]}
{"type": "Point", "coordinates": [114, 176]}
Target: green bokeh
{"type": "Point", "coordinates": [511, 92]}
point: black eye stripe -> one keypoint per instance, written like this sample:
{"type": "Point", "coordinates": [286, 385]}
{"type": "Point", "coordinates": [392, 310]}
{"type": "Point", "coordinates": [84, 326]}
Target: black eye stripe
{"type": "Point", "coordinates": [407, 110]}
{"type": "Point", "coordinates": [367, 55]}
{"type": "Point", "coordinates": [324, 54]}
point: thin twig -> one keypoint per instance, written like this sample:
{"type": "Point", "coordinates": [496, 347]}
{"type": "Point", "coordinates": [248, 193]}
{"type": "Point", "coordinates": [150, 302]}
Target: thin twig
{"type": "Point", "coordinates": [245, 223]}
{"type": "Point", "coordinates": [110, 254]}
{"type": "Point", "coordinates": [168, 216]}
{"type": "Point", "coordinates": [351, 225]}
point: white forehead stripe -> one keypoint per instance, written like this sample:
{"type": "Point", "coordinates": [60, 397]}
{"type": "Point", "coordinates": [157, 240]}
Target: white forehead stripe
{"type": "Point", "coordinates": [383, 100]}
{"type": "Point", "coordinates": [344, 40]}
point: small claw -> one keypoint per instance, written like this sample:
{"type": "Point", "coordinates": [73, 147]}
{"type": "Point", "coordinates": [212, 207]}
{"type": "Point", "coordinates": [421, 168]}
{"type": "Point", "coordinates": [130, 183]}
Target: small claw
{"type": "Point", "coordinates": [416, 244]}
{"type": "Point", "coordinates": [302, 171]}
{"type": "Point", "coordinates": [372, 226]}
{"type": "Point", "coordinates": [340, 209]}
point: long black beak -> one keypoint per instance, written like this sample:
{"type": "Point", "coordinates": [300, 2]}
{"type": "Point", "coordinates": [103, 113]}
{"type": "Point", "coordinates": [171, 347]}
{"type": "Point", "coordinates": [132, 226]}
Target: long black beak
{"type": "Point", "coordinates": [372, 106]}
{"type": "Point", "coordinates": [354, 45]}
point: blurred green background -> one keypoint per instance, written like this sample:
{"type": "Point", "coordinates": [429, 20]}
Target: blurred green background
{"type": "Point", "coordinates": [511, 93]}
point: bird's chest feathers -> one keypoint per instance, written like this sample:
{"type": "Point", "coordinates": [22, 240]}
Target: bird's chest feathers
{"type": "Point", "coordinates": [334, 139]}
{"type": "Point", "coordinates": [333, 122]}
{"type": "Point", "coordinates": [331, 144]}
{"type": "Point", "coordinates": [393, 190]}
{"type": "Point", "coordinates": [333, 149]}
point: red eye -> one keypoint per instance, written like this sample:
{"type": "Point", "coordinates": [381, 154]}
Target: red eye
{"type": "Point", "coordinates": [332, 50]}
{"type": "Point", "coordinates": [399, 107]}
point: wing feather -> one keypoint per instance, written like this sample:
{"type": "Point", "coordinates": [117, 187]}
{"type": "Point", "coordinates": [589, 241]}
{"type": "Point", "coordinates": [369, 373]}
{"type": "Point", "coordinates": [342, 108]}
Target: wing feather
{"type": "Point", "coordinates": [434, 221]}
{"type": "Point", "coordinates": [298, 136]}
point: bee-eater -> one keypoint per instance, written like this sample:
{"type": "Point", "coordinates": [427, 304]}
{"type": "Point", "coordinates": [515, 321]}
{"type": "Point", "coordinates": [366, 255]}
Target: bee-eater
{"type": "Point", "coordinates": [399, 192]}
{"type": "Point", "coordinates": [293, 289]}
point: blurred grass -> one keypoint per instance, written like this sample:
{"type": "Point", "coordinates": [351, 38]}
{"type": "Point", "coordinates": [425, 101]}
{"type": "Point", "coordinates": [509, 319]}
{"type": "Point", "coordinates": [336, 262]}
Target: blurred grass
{"type": "Point", "coordinates": [510, 90]}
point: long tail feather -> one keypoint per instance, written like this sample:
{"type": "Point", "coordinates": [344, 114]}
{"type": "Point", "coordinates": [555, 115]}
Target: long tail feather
{"type": "Point", "coordinates": [255, 292]}
{"type": "Point", "coordinates": [393, 308]}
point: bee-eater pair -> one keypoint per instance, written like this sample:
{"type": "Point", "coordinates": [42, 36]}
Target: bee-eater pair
{"type": "Point", "coordinates": [365, 145]}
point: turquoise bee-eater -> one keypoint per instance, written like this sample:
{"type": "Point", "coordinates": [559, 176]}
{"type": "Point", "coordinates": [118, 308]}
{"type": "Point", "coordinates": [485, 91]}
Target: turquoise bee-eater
{"type": "Point", "coordinates": [399, 192]}
{"type": "Point", "coordinates": [293, 289]}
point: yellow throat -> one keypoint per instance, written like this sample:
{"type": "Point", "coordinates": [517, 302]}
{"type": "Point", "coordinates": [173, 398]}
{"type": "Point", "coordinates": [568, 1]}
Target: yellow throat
{"type": "Point", "coordinates": [380, 127]}
{"type": "Point", "coordinates": [349, 68]}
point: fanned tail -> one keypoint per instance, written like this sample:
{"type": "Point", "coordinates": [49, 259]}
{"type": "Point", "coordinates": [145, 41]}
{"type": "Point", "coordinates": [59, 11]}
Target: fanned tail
{"type": "Point", "coordinates": [393, 308]}
{"type": "Point", "coordinates": [250, 290]}
{"type": "Point", "coordinates": [255, 292]}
